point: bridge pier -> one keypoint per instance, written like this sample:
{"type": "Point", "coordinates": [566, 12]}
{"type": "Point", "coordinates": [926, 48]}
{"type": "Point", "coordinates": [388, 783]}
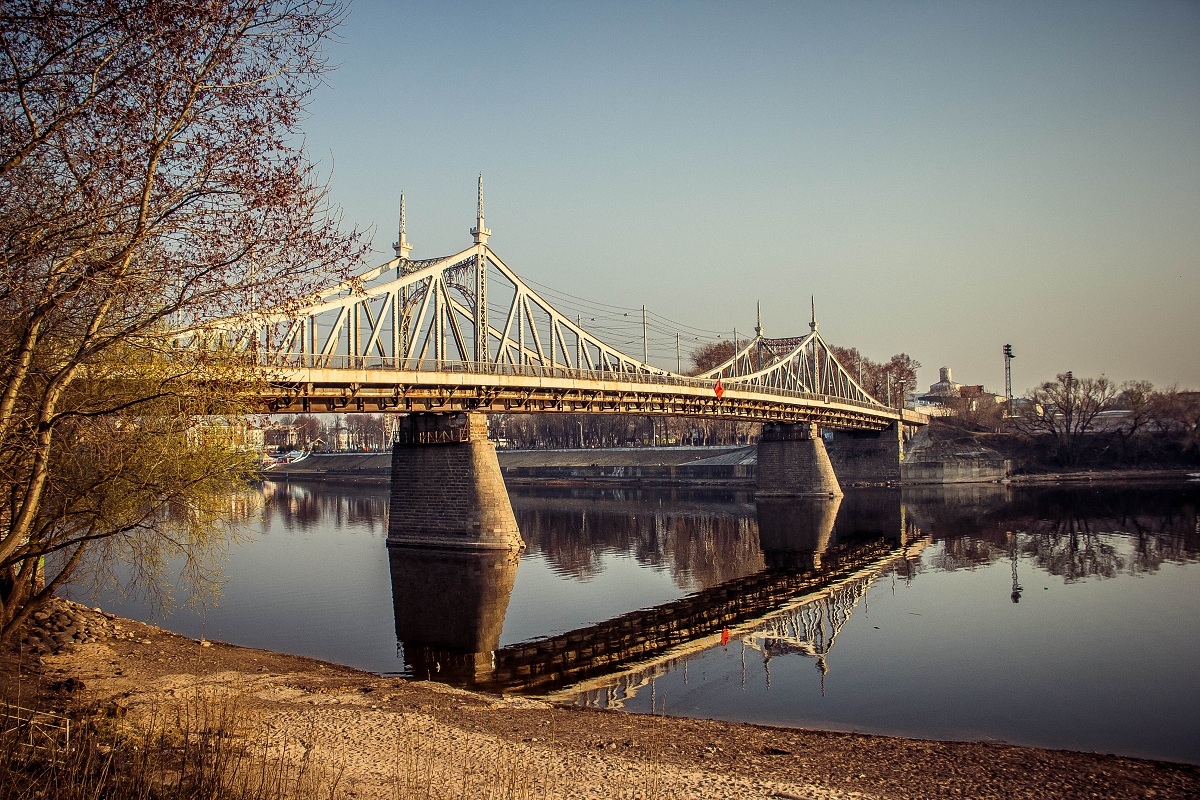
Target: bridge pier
{"type": "Point", "coordinates": [792, 462]}
{"type": "Point", "coordinates": [447, 490]}
{"type": "Point", "coordinates": [865, 457]}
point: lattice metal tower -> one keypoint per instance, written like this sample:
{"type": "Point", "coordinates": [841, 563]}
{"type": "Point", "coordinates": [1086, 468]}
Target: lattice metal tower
{"type": "Point", "coordinates": [1008, 357]}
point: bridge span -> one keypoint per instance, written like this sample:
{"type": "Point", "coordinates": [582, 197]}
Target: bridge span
{"type": "Point", "coordinates": [448, 340]}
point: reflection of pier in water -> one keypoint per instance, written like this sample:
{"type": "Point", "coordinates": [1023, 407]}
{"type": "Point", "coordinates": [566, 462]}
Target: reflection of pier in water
{"type": "Point", "coordinates": [449, 614]}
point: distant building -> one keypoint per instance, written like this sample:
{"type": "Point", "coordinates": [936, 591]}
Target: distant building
{"type": "Point", "coordinates": [944, 389]}
{"type": "Point", "coordinates": [238, 433]}
{"type": "Point", "coordinates": [955, 397]}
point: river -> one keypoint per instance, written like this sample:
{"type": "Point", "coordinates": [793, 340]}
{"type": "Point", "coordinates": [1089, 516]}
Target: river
{"type": "Point", "coordinates": [1052, 617]}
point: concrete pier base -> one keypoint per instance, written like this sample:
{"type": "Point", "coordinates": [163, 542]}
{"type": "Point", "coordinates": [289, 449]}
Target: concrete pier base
{"type": "Point", "coordinates": [868, 457]}
{"type": "Point", "coordinates": [792, 462]}
{"type": "Point", "coordinates": [447, 490]}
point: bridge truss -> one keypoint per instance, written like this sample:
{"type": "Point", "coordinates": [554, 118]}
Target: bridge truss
{"type": "Point", "coordinates": [465, 333]}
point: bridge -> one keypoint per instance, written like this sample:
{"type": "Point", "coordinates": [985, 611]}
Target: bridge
{"type": "Point", "coordinates": [447, 340]}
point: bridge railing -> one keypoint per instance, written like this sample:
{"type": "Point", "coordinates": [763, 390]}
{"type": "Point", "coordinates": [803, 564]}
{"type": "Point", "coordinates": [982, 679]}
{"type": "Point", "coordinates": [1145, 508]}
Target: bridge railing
{"type": "Point", "coordinates": [361, 363]}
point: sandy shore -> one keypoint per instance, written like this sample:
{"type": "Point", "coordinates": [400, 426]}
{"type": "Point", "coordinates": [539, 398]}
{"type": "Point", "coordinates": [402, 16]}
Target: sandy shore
{"type": "Point", "coordinates": [378, 733]}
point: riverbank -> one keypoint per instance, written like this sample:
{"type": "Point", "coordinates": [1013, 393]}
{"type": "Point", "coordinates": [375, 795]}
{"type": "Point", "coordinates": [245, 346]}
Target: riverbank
{"type": "Point", "coordinates": [724, 467]}
{"type": "Point", "coordinates": [728, 467]}
{"type": "Point", "coordinates": [380, 732]}
{"type": "Point", "coordinates": [1108, 476]}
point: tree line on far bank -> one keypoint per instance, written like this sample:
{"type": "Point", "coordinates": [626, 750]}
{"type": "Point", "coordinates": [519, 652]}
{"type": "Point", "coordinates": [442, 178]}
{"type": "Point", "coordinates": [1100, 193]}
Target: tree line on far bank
{"type": "Point", "coordinates": [1091, 422]}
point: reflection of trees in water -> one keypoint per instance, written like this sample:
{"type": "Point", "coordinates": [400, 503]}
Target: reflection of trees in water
{"type": "Point", "coordinates": [697, 549]}
{"type": "Point", "coordinates": [1073, 549]}
{"type": "Point", "coordinates": [243, 506]}
{"type": "Point", "coordinates": [304, 506]}
{"type": "Point", "coordinates": [1075, 533]}
{"type": "Point", "coordinates": [964, 552]}
{"type": "Point", "coordinates": [700, 538]}
{"type": "Point", "coordinates": [1152, 550]}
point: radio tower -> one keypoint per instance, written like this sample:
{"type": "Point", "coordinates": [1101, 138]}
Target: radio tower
{"type": "Point", "coordinates": [1008, 357]}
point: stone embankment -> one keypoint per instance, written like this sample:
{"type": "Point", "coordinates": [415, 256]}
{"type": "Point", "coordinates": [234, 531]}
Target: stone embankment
{"type": "Point", "coordinates": [724, 467]}
{"type": "Point", "coordinates": [727, 467]}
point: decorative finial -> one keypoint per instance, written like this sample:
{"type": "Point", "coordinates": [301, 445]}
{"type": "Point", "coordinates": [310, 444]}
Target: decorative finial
{"type": "Point", "coordinates": [402, 246]}
{"type": "Point", "coordinates": [758, 318]}
{"type": "Point", "coordinates": [813, 325]}
{"type": "Point", "coordinates": [480, 233]}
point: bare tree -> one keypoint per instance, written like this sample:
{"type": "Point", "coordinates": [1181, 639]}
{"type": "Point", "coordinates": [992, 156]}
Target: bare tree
{"type": "Point", "coordinates": [1065, 409]}
{"type": "Point", "coordinates": [151, 177]}
{"type": "Point", "coordinates": [367, 431]}
{"type": "Point", "coordinates": [308, 429]}
{"type": "Point", "coordinates": [711, 356]}
{"type": "Point", "coordinates": [899, 372]}
{"type": "Point", "coordinates": [1176, 415]}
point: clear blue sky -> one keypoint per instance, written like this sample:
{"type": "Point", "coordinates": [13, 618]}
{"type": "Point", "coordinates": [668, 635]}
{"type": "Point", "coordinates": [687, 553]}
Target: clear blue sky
{"type": "Point", "coordinates": [944, 177]}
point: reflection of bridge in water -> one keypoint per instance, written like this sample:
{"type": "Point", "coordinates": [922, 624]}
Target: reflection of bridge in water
{"type": "Point", "coordinates": [450, 606]}
{"type": "Point", "coordinates": [807, 625]}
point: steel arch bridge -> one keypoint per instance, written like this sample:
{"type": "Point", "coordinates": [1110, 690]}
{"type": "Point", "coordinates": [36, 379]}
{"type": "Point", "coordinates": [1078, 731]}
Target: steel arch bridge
{"type": "Point", "coordinates": [464, 333]}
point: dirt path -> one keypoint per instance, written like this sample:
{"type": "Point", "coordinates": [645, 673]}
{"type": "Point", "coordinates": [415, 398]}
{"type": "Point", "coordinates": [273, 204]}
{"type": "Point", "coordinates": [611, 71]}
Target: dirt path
{"type": "Point", "coordinates": [379, 734]}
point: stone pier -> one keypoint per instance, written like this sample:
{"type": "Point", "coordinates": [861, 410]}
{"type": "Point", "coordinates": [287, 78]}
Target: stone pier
{"type": "Point", "coordinates": [868, 457]}
{"type": "Point", "coordinates": [792, 462]}
{"type": "Point", "coordinates": [447, 490]}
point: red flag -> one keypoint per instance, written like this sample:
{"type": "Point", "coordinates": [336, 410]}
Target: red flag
{"type": "Point", "coordinates": [719, 389]}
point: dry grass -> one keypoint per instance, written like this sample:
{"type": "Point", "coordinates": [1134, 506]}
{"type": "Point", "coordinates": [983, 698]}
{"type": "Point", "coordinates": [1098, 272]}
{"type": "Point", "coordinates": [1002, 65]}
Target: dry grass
{"type": "Point", "coordinates": [201, 748]}
{"type": "Point", "coordinates": [199, 752]}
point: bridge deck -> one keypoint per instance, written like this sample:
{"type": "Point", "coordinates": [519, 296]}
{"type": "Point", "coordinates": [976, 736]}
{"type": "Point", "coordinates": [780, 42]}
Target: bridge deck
{"type": "Point", "coordinates": [507, 388]}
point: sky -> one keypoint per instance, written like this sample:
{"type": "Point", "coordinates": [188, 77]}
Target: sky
{"type": "Point", "coordinates": [943, 178]}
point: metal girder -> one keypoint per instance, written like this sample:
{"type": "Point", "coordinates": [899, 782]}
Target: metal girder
{"type": "Point", "coordinates": [810, 366]}
{"type": "Point", "coordinates": [326, 393]}
{"type": "Point", "coordinates": [465, 333]}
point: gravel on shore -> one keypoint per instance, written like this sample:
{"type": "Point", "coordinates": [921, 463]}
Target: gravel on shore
{"type": "Point", "coordinates": [378, 731]}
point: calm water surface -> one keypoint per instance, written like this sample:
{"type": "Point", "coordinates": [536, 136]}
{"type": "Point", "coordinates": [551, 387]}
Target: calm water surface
{"type": "Point", "coordinates": [1051, 617]}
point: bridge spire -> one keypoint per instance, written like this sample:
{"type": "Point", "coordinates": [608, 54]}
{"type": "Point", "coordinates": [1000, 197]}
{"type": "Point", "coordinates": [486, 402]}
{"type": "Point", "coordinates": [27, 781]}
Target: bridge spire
{"type": "Point", "coordinates": [480, 232]}
{"type": "Point", "coordinates": [402, 245]}
{"type": "Point", "coordinates": [758, 329]}
{"type": "Point", "coordinates": [813, 325]}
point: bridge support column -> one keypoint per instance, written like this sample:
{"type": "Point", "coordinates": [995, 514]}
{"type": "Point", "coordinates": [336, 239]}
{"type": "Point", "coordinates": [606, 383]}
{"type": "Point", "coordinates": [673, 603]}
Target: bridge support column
{"type": "Point", "coordinates": [866, 457]}
{"type": "Point", "coordinates": [447, 490]}
{"type": "Point", "coordinates": [792, 462]}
